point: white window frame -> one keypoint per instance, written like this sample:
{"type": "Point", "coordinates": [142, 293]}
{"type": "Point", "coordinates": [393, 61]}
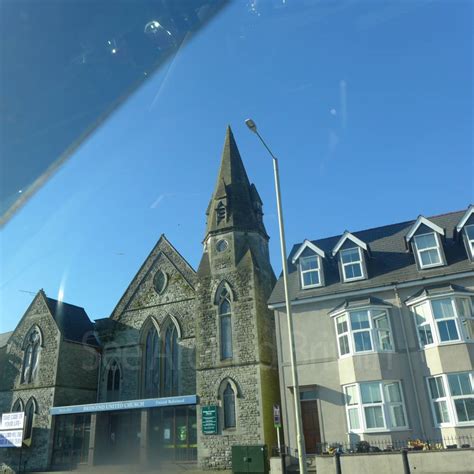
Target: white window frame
{"type": "Point", "coordinates": [437, 247]}
{"type": "Point", "coordinates": [317, 270]}
{"type": "Point", "coordinates": [460, 321]}
{"type": "Point", "coordinates": [469, 241]}
{"type": "Point", "coordinates": [373, 331]}
{"type": "Point", "coordinates": [385, 404]}
{"type": "Point", "coordinates": [440, 399]}
{"type": "Point", "coordinates": [449, 400]}
{"type": "Point", "coordinates": [360, 262]}
{"type": "Point", "coordinates": [344, 318]}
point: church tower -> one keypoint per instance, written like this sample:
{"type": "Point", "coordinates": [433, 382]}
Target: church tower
{"type": "Point", "coordinates": [236, 361]}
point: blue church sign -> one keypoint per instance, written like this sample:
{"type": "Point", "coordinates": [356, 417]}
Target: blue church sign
{"type": "Point", "coordinates": [125, 405]}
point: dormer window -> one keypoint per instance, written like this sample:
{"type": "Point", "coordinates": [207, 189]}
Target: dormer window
{"type": "Point", "coordinates": [310, 271]}
{"type": "Point", "coordinates": [424, 237]}
{"type": "Point", "coordinates": [351, 261]}
{"type": "Point", "coordinates": [469, 232]}
{"type": "Point", "coordinates": [352, 253]}
{"type": "Point", "coordinates": [465, 229]}
{"type": "Point", "coordinates": [428, 250]}
{"type": "Point", "coordinates": [310, 259]}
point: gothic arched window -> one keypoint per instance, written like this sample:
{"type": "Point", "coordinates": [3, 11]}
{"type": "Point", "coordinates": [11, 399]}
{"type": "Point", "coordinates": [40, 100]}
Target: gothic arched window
{"type": "Point", "coordinates": [171, 361]}
{"type": "Point", "coordinates": [30, 358]}
{"type": "Point", "coordinates": [228, 405]}
{"type": "Point", "coordinates": [18, 406]}
{"type": "Point", "coordinates": [151, 385]}
{"type": "Point", "coordinates": [225, 322]}
{"type": "Point", "coordinates": [113, 382]}
{"type": "Point", "coordinates": [30, 411]}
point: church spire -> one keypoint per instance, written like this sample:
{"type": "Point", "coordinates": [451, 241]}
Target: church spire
{"type": "Point", "coordinates": [235, 204]}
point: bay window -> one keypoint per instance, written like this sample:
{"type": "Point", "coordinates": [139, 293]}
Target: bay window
{"type": "Point", "coordinates": [362, 331]}
{"type": "Point", "coordinates": [444, 320]}
{"type": "Point", "coordinates": [375, 406]}
{"type": "Point", "coordinates": [452, 398]}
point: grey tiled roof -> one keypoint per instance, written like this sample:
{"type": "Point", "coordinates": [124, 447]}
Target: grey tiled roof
{"type": "Point", "coordinates": [72, 321]}
{"type": "Point", "coordinates": [389, 260]}
{"type": "Point", "coordinates": [359, 303]}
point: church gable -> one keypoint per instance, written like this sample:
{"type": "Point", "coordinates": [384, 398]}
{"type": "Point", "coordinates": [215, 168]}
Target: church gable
{"type": "Point", "coordinates": [37, 314]}
{"type": "Point", "coordinates": [37, 318]}
{"type": "Point", "coordinates": [164, 277]}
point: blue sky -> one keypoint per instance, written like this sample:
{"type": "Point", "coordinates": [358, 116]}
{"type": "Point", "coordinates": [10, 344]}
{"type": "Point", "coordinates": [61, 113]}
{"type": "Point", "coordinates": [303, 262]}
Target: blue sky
{"type": "Point", "coordinates": [367, 104]}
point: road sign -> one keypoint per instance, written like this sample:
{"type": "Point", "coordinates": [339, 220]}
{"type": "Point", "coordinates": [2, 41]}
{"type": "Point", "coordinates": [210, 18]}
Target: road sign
{"type": "Point", "coordinates": [12, 421]}
{"type": "Point", "coordinates": [209, 419]}
{"type": "Point", "coordinates": [276, 416]}
{"type": "Point", "coordinates": [11, 430]}
{"type": "Point", "coordinates": [11, 439]}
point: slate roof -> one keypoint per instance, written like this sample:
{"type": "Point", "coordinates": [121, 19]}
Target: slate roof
{"type": "Point", "coordinates": [389, 261]}
{"type": "Point", "coordinates": [233, 188]}
{"type": "Point", "coordinates": [435, 290]}
{"type": "Point", "coordinates": [4, 338]}
{"type": "Point", "coordinates": [72, 321]}
{"type": "Point", "coordinates": [350, 304]}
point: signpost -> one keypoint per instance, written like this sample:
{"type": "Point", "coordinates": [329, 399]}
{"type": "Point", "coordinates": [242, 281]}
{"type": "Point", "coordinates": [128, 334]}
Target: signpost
{"type": "Point", "coordinates": [277, 424]}
{"type": "Point", "coordinates": [11, 432]}
{"type": "Point", "coordinates": [11, 438]}
{"type": "Point", "coordinates": [209, 419]}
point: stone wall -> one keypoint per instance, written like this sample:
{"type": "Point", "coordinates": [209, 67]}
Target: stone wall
{"type": "Point", "coordinates": [78, 366]}
{"type": "Point", "coordinates": [215, 450]}
{"type": "Point", "coordinates": [141, 306]}
{"type": "Point", "coordinates": [245, 268]}
{"type": "Point", "coordinates": [442, 462]}
{"type": "Point", "coordinates": [41, 388]}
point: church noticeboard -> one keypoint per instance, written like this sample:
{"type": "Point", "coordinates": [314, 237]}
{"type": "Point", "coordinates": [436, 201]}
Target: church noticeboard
{"type": "Point", "coordinates": [209, 419]}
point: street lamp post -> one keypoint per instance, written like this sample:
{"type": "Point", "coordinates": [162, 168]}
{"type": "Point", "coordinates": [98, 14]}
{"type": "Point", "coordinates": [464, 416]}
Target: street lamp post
{"type": "Point", "coordinates": [296, 390]}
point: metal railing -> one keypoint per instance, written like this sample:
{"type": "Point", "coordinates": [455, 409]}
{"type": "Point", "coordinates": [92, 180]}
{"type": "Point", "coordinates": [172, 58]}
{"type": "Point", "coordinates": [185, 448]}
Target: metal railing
{"type": "Point", "coordinates": [380, 445]}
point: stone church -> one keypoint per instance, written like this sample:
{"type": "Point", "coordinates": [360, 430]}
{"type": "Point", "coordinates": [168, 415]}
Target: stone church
{"type": "Point", "coordinates": [183, 369]}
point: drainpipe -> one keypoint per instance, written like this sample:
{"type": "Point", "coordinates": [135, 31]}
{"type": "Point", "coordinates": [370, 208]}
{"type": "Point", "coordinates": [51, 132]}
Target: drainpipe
{"type": "Point", "coordinates": [410, 365]}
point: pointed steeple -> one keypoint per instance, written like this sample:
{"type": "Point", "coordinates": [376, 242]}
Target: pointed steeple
{"type": "Point", "coordinates": [235, 203]}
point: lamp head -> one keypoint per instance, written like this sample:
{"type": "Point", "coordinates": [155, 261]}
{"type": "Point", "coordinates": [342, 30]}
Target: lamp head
{"type": "Point", "coordinates": [251, 125]}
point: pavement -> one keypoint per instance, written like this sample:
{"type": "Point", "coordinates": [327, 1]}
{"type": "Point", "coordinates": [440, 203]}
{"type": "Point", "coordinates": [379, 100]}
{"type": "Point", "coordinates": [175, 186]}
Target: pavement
{"type": "Point", "coordinates": [177, 468]}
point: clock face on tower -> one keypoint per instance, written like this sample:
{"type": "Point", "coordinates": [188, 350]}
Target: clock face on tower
{"type": "Point", "coordinates": [222, 245]}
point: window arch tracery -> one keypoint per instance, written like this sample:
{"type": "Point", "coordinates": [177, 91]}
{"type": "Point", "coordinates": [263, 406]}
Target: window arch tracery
{"type": "Point", "coordinates": [114, 378]}
{"type": "Point", "coordinates": [151, 362]}
{"type": "Point", "coordinates": [171, 360]}
{"type": "Point", "coordinates": [30, 411]}
{"type": "Point", "coordinates": [224, 309]}
{"type": "Point", "coordinates": [228, 403]}
{"type": "Point", "coordinates": [31, 350]}
{"type": "Point", "coordinates": [228, 393]}
{"type": "Point", "coordinates": [161, 359]}
{"type": "Point", "coordinates": [18, 406]}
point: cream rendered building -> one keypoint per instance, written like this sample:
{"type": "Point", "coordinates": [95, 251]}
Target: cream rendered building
{"type": "Point", "coordinates": [384, 329]}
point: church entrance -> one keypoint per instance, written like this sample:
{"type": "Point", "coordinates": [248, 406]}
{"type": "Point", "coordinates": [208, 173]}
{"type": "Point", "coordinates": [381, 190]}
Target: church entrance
{"type": "Point", "coordinates": [126, 432]}
{"type": "Point", "coordinates": [122, 443]}
{"type": "Point", "coordinates": [172, 434]}
{"type": "Point", "coordinates": [71, 441]}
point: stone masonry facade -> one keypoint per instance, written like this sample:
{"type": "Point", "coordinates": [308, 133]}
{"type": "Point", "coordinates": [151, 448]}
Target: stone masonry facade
{"type": "Point", "coordinates": [76, 355]}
